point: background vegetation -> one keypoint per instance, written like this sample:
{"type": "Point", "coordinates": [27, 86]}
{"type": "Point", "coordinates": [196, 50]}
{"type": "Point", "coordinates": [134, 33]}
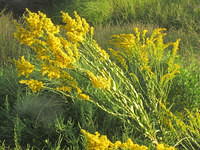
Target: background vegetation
{"type": "Point", "coordinates": [50, 121]}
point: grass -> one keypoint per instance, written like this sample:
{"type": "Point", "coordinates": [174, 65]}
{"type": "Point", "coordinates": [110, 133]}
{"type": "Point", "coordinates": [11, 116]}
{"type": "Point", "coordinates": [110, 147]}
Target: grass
{"type": "Point", "coordinates": [50, 121]}
{"type": "Point", "coordinates": [180, 14]}
{"type": "Point", "coordinates": [9, 48]}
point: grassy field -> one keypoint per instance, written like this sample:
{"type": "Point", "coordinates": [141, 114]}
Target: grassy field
{"type": "Point", "coordinates": [139, 88]}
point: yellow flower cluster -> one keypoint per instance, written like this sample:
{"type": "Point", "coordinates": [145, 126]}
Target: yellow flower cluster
{"type": "Point", "coordinates": [37, 24]}
{"type": "Point", "coordinates": [55, 49]}
{"type": "Point", "coordinates": [75, 29]}
{"type": "Point", "coordinates": [51, 71]}
{"type": "Point", "coordinates": [101, 142]}
{"type": "Point", "coordinates": [84, 96]}
{"type": "Point", "coordinates": [99, 81]}
{"type": "Point", "coordinates": [24, 67]}
{"type": "Point", "coordinates": [34, 85]}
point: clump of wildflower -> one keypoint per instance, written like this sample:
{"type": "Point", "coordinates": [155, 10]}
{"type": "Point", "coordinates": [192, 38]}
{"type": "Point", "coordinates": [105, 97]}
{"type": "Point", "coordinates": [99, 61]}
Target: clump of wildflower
{"type": "Point", "coordinates": [44, 38]}
{"type": "Point", "coordinates": [146, 52]}
{"type": "Point", "coordinates": [36, 24]}
{"type": "Point", "coordinates": [34, 85]}
{"type": "Point", "coordinates": [24, 67]}
{"type": "Point", "coordinates": [100, 81]}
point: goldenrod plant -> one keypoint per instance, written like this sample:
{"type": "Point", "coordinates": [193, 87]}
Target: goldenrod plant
{"type": "Point", "coordinates": [130, 81]}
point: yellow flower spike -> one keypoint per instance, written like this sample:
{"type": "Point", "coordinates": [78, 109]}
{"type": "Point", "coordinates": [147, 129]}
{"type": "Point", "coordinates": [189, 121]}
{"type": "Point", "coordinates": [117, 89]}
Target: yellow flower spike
{"type": "Point", "coordinates": [100, 81]}
{"type": "Point", "coordinates": [48, 25]}
{"type": "Point", "coordinates": [175, 47]}
{"type": "Point", "coordinates": [68, 20]}
{"type": "Point", "coordinates": [24, 36]}
{"type": "Point", "coordinates": [34, 85]}
{"type": "Point", "coordinates": [130, 145]}
{"type": "Point", "coordinates": [75, 36]}
{"type": "Point", "coordinates": [144, 36]}
{"type": "Point", "coordinates": [60, 57]}
{"type": "Point", "coordinates": [70, 49]}
{"type": "Point", "coordinates": [81, 23]}
{"type": "Point", "coordinates": [64, 61]}
{"type": "Point", "coordinates": [104, 54]}
{"type": "Point", "coordinates": [79, 91]}
{"type": "Point", "coordinates": [54, 43]}
{"type": "Point", "coordinates": [137, 33]}
{"type": "Point", "coordinates": [33, 20]}
{"type": "Point", "coordinates": [36, 24]}
{"type": "Point", "coordinates": [144, 58]}
{"type": "Point", "coordinates": [84, 96]}
{"type": "Point", "coordinates": [117, 144]}
{"type": "Point", "coordinates": [24, 67]}
{"type": "Point", "coordinates": [75, 29]}
{"type": "Point", "coordinates": [157, 32]}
